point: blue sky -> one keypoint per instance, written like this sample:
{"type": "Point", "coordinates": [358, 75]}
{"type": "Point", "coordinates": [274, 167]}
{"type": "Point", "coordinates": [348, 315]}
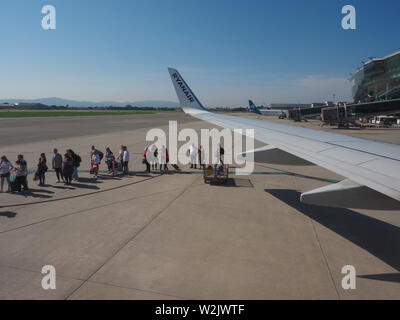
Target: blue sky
{"type": "Point", "coordinates": [227, 50]}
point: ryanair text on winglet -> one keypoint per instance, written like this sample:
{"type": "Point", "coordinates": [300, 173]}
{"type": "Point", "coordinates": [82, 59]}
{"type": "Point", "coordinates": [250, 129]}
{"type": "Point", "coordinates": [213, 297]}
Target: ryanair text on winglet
{"type": "Point", "coordinates": [180, 82]}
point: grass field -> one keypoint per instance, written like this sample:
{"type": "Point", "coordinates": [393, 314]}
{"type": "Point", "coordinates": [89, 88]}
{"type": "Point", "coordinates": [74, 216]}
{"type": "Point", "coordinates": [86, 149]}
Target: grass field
{"type": "Point", "coordinates": [73, 113]}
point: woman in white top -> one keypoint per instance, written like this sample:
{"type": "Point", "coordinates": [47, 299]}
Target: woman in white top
{"type": "Point", "coordinates": [95, 163]}
{"type": "Point", "coordinates": [5, 168]}
{"type": "Point", "coordinates": [125, 159]}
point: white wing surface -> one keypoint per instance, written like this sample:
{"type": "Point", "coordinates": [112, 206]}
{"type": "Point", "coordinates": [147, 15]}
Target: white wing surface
{"type": "Point", "coordinates": [367, 165]}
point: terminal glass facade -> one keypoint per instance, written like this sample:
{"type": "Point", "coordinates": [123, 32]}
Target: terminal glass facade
{"type": "Point", "coordinates": [378, 80]}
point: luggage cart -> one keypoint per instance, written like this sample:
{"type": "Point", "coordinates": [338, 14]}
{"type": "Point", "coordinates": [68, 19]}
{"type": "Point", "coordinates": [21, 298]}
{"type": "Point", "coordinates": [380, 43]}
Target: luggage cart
{"type": "Point", "coordinates": [216, 174]}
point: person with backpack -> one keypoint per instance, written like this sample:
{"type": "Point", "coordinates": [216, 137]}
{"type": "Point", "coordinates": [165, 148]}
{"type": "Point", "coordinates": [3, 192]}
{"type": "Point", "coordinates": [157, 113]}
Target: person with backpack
{"type": "Point", "coordinates": [5, 172]}
{"type": "Point", "coordinates": [76, 163]}
{"type": "Point", "coordinates": [98, 152]}
{"type": "Point", "coordinates": [68, 168]}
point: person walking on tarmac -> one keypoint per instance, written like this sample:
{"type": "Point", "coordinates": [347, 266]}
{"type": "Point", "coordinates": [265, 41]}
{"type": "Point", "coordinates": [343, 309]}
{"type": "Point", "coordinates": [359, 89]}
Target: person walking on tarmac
{"type": "Point", "coordinates": [56, 163]}
{"type": "Point", "coordinates": [76, 161]}
{"type": "Point", "coordinates": [99, 153]}
{"type": "Point", "coordinates": [145, 158]}
{"type": "Point", "coordinates": [164, 160]}
{"type": "Point", "coordinates": [193, 156]}
{"type": "Point", "coordinates": [22, 171]}
{"type": "Point", "coordinates": [111, 162]}
{"type": "Point", "coordinates": [201, 156]}
{"type": "Point", "coordinates": [95, 164]}
{"type": "Point", "coordinates": [5, 169]}
{"type": "Point", "coordinates": [68, 168]}
{"type": "Point", "coordinates": [221, 154]}
{"type": "Point", "coordinates": [42, 169]}
{"type": "Point", "coordinates": [21, 174]}
{"type": "Point", "coordinates": [125, 160]}
{"type": "Point", "coordinates": [154, 158]}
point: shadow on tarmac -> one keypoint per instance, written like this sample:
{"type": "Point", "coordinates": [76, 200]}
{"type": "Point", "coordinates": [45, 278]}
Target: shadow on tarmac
{"type": "Point", "coordinates": [387, 277]}
{"type": "Point", "coordinates": [62, 187]}
{"type": "Point", "coordinates": [109, 177]}
{"type": "Point", "coordinates": [234, 183]}
{"type": "Point", "coordinates": [8, 214]}
{"type": "Point", "coordinates": [379, 238]}
{"type": "Point", "coordinates": [34, 193]}
{"type": "Point", "coordinates": [80, 185]}
{"type": "Point", "coordinates": [86, 180]}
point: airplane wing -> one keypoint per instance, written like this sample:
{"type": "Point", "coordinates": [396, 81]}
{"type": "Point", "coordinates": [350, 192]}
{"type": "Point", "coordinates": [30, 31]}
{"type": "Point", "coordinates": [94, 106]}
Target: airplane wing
{"type": "Point", "coordinates": [371, 169]}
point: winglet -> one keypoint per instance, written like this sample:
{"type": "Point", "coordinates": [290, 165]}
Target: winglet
{"type": "Point", "coordinates": [187, 99]}
{"type": "Point", "coordinates": [349, 194]}
{"type": "Point", "coordinates": [253, 107]}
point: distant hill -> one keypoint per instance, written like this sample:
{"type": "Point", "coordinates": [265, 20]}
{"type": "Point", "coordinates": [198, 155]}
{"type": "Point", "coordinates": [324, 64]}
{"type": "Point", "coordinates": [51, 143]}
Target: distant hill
{"type": "Point", "coordinates": [85, 104]}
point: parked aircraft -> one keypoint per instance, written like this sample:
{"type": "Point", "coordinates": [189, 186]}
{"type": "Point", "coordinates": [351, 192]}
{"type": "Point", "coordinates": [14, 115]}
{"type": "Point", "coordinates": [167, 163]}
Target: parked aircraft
{"type": "Point", "coordinates": [267, 112]}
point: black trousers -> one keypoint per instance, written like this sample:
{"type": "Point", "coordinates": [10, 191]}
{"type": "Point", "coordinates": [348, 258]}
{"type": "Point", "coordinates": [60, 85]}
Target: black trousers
{"type": "Point", "coordinates": [125, 167]}
{"type": "Point", "coordinates": [147, 165]}
{"type": "Point", "coordinates": [59, 173]}
{"type": "Point", "coordinates": [42, 176]}
{"type": "Point", "coordinates": [21, 181]}
{"type": "Point", "coordinates": [68, 175]}
{"type": "Point", "coordinates": [110, 165]}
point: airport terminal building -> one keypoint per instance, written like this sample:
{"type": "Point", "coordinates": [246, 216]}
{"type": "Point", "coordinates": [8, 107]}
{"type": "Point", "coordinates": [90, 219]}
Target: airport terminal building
{"type": "Point", "coordinates": [377, 80]}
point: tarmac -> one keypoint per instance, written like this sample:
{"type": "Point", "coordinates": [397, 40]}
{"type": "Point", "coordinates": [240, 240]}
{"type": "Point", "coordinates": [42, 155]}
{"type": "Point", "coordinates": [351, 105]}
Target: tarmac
{"type": "Point", "coordinates": [174, 237]}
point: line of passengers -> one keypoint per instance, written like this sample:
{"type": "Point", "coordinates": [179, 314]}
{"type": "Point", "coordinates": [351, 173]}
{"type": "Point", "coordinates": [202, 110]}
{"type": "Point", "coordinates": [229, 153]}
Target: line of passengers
{"type": "Point", "coordinates": [66, 167]}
